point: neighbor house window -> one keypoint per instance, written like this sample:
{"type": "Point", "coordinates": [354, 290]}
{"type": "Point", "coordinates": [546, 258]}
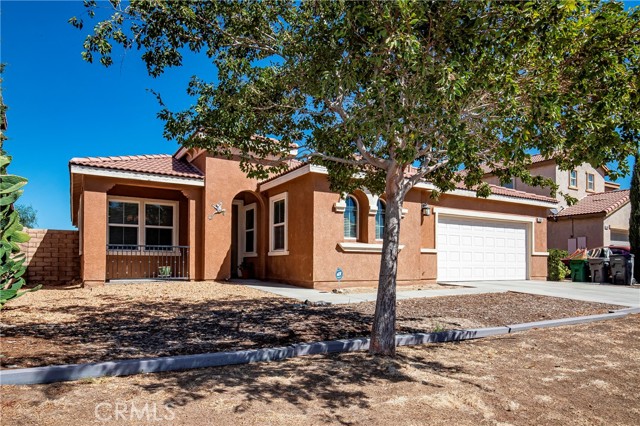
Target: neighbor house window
{"type": "Point", "coordinates": [380, 220]}
{"type": "Point", "coordinates": [573, 179]}
{"type": "Point", "coordinates": [351, 218]}
{"type": "Point", "coordinates": [511, 184]}
{"type": "Point", "coordinates": [147, 223]}
{"type": "Point", "coordinates": [250, 229]}
{"type": "Point", "coordinates": [590, 182]}
{"type": "Point", "coordinates": [278, 224]}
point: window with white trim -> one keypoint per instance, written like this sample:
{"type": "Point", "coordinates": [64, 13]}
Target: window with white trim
{"type": "Point", "coordinates": [591, 182]}
{"type": "Point", "coordinates": [381, 219]}
{"type": "Point", "coordinates": [148, 223]}
{"type": "Point", "coordinates": [573, 179]}
{"type": "Point", "coordinates": [250, 230]}
{"type": "Point", "coordinates": [278, 243]}
{"type": "Point", "coordinates": [351, 217]}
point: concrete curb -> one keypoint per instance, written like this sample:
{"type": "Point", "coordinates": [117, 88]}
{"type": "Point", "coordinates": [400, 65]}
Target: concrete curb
{"type": "Point", "coordinates": [61, 373]}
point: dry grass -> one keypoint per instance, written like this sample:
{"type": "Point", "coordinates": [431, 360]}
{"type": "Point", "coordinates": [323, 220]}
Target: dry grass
{"type": "Point", "coordinates": [74, 325]}
{"type": "Point", "coordinates": [577, 375]}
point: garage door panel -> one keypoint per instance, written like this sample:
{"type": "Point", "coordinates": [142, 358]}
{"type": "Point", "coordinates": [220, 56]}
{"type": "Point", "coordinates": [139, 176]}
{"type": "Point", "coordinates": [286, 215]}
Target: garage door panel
{"type": "Point", "coordinates": [477, 249]}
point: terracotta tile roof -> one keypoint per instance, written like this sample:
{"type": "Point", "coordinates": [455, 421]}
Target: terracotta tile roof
{"type": "Point", "coordinates": [506, 192]}
{"type": "Point", "coordinates": [495, 189]}
{"type": "Point", "coordinates": [602, 202]}
{"type": "Point", "coordinates": [293, 165]}
{"type": "Point", "coordinates": [160, 164]}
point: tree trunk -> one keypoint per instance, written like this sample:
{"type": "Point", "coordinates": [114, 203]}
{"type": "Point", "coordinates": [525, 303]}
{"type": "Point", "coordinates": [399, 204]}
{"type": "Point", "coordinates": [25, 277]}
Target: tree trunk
{"type": "Point", "coordinates": [383, 333]}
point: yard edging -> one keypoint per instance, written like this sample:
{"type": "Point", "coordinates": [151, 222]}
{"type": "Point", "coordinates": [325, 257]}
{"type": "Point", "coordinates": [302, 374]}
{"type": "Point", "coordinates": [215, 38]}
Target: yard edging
{"type": "Point", "coordinates": [69, 372]}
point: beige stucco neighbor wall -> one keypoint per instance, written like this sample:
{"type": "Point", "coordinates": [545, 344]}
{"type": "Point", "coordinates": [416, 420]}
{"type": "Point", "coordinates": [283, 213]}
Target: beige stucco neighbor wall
{"type": "Point", "coordinates": [581, 191]}
{"type": "Point", "coordinates": [591, 227]}
{"type": "Point", "coordinates": [549, 169]}
{"type": "Point", "coordinates": [617, 221]}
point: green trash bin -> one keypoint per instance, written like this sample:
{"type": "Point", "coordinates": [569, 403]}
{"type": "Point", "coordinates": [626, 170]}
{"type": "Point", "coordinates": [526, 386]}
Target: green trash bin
{"type": "Point", "coordinates": [579, 270]}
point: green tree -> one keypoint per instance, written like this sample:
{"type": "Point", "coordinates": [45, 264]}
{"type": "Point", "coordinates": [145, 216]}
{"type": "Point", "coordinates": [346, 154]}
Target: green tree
{"type": "Point", "coordinates": [634, 219]}
{"type": "Point", "coordinates": [386, 94]}
{"type": "Point", "coordinates": [28, 215]}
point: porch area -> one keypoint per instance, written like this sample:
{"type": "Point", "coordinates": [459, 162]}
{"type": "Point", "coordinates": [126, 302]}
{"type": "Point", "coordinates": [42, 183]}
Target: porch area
{"type": "Point", "coordinates": [140, 262]}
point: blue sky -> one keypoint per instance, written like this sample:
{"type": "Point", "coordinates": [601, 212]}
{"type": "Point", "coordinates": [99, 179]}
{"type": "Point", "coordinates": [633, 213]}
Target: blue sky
{"type": "Point", "coordinates": [62, 107]}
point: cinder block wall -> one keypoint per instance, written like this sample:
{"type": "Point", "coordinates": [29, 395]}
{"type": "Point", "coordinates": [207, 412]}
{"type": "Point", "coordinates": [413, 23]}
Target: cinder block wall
{"type": "Point", "coordinates": [52, 256]}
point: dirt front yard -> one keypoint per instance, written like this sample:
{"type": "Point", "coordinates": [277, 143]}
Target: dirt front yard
{"type": "Point", "coordinates": [74, 325]}
{"type": "Point", "coordinates": [577, 375]}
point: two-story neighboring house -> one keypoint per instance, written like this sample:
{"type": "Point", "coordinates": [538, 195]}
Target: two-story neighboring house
{"type": "Point", "coordinates": [599, 218]}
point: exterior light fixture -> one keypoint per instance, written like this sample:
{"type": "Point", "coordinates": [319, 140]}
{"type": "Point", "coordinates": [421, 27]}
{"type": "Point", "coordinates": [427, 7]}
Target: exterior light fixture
{"type": "Point", "coordinates": [555, 212]}
{"type": "Point", "coordinates": [426, 209]}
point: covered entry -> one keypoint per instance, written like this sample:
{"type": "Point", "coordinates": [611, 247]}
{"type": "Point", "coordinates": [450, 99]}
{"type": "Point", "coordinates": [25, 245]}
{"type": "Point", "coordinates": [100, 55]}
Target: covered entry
{"type": "Point", "coordinates": [245, 237]}
{"type": "Point", "coordinates": [479, 249]}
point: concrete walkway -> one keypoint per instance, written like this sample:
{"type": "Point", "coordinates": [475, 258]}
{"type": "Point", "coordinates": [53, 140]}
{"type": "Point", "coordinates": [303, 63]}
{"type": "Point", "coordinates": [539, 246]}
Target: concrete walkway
{"type": "Point", "coordinates": [602, 293]}
{"type": "Point", "coordinates": [611, 294]}
{"type": "Point", "coordinates": [312, 295]}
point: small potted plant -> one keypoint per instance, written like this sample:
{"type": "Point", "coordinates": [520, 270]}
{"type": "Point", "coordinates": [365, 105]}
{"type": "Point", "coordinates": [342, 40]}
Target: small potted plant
{"type": "Point", "coordinates": [245, 270]}
{"type": "Point", "coordinates": [164, 271]}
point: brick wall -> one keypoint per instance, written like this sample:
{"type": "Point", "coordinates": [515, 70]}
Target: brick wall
{"type": "Point", "coordinates": [52, 256]}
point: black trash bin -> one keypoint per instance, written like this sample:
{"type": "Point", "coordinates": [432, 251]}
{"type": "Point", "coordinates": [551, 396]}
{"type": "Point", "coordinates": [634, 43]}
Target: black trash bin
{"type": "Point", "coordinates": [599, 268]}
{"type": "Point", "coordinates": [622, 269]}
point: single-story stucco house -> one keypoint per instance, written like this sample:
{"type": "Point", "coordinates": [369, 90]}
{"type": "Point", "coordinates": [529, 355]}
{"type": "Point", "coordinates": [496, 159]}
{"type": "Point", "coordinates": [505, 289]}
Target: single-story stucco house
{"type": "Point", "coordinates": [196, 216]}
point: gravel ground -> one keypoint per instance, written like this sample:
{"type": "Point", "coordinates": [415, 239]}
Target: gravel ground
{"type": "Point", "coordinates": [576, 375]}
{"type": "Point", "coordinates": [74, 325]}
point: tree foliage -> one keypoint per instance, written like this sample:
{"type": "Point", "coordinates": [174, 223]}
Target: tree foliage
{"type": "Point", "coordinates": [28, 215]}
{"type": "Point", "coordinates": [556, 270]}
{"type": "Point", "coordinates": [388, 93]}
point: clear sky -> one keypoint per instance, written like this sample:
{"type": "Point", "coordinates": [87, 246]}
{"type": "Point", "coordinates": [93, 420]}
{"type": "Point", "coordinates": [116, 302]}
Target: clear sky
{"type": "Point", "coordinates": [61, 107]}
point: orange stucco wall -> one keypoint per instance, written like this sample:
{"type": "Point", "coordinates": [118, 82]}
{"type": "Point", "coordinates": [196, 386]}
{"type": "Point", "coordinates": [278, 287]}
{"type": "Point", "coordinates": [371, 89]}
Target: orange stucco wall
{"type": "Point", "coordinates": [314, 228]}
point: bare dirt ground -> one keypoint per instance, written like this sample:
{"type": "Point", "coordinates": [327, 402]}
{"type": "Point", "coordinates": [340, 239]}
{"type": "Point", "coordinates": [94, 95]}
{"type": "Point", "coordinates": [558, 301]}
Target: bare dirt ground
{"type": "Point", "coordinates": [576, 375]}
{"type": "Point", "coordinates": [74, 325]}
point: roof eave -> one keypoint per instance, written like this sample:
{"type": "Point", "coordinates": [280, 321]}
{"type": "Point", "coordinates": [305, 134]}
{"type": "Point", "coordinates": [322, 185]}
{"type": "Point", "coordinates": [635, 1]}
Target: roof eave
{"type": "Point", "coordinates": [135, 175]}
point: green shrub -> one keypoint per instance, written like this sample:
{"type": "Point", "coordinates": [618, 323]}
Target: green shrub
{"type": "Point", "coordinates": [12, 266]}
{"type": "Point", "coordinates": [557, 270]}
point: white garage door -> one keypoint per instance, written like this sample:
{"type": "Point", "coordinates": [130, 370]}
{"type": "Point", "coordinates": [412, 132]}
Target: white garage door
{"type": "Point", "coordinates": [476, 249]}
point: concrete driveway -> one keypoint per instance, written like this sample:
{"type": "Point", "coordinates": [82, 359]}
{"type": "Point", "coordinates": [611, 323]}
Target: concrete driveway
{"type": "Point", "coordinates": [613, 294]}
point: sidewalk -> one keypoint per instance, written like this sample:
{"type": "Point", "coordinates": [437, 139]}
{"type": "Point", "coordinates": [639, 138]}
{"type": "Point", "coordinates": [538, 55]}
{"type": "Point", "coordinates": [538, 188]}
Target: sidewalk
{"type": "Point", "coordinates": [312, 295]}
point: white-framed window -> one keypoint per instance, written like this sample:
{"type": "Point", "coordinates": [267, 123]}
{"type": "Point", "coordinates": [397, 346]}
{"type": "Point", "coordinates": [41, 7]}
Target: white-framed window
{"type": "Point", "coordinates": [250, 238]}
{"type": "Point", "coordinates": [573, 179]}
{"type": "Point", "coordinates": [381, 219]}
{"type": "Point", "coordinates": [278, 218]}
{"type": "Point", "coordinates": [351, 217]}
{"type": "Point", "coordinates": [591, 182]}
{"type": "Point", "coordinates": [133, 223]}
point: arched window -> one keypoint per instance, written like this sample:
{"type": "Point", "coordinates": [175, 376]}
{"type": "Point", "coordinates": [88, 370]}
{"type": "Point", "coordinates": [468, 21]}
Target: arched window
{"type": "Point", "coordinates": [351, 218]}
{"type": "Point", "coordinates": [380, 219]}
